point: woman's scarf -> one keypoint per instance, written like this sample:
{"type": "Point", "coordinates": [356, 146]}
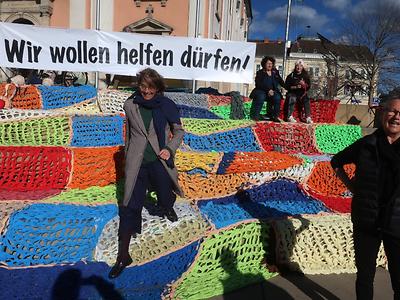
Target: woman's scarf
{"type": "Point", "coordinates": [163, 111]}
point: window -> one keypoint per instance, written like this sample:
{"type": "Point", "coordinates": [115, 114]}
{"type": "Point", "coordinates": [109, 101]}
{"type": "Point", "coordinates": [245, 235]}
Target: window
{"type": "Point", "coordinates": [316, 72]}
{"type": "Point", "coordinates": [258, 67]}
{"type": "Point", "coordinates": [311, 71]}
{"type": "Point", "coordinates": [347, 90]}
{"type": "Point", "coordinates": [348, 74]}
{"type": "Point", "coordinates": [218, 10]}
{"type": "Point", "coordinates": [280, 70]}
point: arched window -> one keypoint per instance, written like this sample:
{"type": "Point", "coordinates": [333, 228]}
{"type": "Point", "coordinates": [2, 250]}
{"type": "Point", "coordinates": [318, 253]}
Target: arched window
{"type": "Point", "coordinates": [23, 21]}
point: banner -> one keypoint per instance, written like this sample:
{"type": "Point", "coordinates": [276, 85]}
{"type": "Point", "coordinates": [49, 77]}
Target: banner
{"type": "Point", "coordinates": [32, 47]}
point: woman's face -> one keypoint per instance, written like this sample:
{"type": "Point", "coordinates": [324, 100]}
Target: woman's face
{"type": "Point", "coordinates": [268, 65]}
{"type": "Point", "coordinates": [299, 68]}
{"type": "Point", "coordinates": [148, 91]}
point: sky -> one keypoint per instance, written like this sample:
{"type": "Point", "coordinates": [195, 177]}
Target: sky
{"type": "Point", "coordinates": [323, 16]}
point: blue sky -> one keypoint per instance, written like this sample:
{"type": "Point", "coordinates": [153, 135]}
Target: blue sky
{"type": "Point", "coordinates": [323, 16]}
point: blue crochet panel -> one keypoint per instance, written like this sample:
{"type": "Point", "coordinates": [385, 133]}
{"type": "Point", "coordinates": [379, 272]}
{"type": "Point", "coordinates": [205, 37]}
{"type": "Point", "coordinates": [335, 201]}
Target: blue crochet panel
{"type": "Point", "coordinates": [49, 234]}
{"type": "Point", "coordinates": [89, 281]}
{"type": "Point", "coordinates": [196, 112]}
{"type": "Point", "coordinates": [61, 96]}
{"type": "Point", "coordinates": [276, 199]}
{"type": "Point", "coordinates": [92, 131]}
{"type": "Point", "coordinates": [241, 139]}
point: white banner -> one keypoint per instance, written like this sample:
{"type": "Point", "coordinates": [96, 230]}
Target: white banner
{"type": "Point", "coordinates": [32, 47]}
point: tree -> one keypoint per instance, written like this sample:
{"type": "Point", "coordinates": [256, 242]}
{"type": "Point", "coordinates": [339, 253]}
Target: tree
{"type": "Point", "coordinates": [367, 60]}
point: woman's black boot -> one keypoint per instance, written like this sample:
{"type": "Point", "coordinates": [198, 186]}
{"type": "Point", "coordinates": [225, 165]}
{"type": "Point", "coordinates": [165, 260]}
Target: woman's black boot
{"type": "Point", "coordinates": [123, 258]}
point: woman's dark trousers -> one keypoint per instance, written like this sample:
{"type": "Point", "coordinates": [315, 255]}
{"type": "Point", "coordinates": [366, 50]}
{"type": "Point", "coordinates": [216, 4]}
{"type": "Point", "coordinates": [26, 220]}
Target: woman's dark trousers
{"type": "Point", "coordinates": [366, 247]}
{"type": "Point", "coordinates": [130, 217]}
{"type": "Point", "coordinates": [273, 104]}
{"type": "Point", "coordinates": [292, 99]}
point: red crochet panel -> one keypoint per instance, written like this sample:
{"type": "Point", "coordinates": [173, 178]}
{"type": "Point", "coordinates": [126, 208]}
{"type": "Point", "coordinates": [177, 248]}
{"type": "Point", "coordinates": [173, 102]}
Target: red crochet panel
{"type": "Point", "coordinates": [322, 111]}
{"type": "Point", "coordinates": [286, 137]}
{"type": "Point", "coordinates": [28, 168]}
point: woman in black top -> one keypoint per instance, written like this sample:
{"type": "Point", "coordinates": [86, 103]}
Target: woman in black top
{"type": "Point", "coordinates": [297, 84]}
{"type": "Point", "coordinates": [268, 82]}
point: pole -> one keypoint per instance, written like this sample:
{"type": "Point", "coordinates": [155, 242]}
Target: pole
{"type": "Point", "coordinates": [196, 33]}
{"type": "Point", "coordinates": [286, 38]}
{"type": "Point", "coordinates": [96, 78]}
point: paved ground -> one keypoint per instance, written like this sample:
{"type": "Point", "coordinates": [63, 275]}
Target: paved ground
{"type": "Point", "coordinates": [296, 286]}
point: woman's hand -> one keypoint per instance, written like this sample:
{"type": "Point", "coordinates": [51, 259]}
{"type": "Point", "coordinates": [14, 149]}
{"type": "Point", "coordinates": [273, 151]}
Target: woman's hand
{"type": "Point", "coordinates": [270, 93]}
{"type": "Point", "coordinates": [164, 154]}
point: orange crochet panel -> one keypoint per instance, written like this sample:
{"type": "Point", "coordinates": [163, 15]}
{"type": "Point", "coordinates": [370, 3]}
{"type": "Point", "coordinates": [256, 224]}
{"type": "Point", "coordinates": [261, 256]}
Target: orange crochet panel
{"type": "Point", "coordinates": [7, 92]}
{"type": "Point", "coordinates": [261, 162]}
{"type": "Point", "coordinates": [324, 181]}
{"type": "Point", "coordinates": [197, 186]}
{"type": "Point", "coordinates": [27, 97]}
{"type": "Point", "coordinates": [96, 166]}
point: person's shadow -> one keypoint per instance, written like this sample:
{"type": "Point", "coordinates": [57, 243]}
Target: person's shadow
{"type": "Point", "coordinates": [297, 278]}
{"type": "Point", "coordinates": [235, 278]}
{"type": "Point", "coordinates": [68, 285]}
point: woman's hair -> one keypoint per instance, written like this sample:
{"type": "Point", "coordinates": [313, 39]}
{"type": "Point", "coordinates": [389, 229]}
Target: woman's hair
{"type": "Point", "coordinates": [301, 62]}
{"type": "Point", "coordinates": [152, 79]}
{"type": "Point", "coordinates": [267, 58]}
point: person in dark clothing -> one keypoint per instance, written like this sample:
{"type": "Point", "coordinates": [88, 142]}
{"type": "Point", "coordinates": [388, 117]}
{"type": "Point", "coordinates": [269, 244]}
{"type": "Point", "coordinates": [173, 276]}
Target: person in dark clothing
{"type": "Point", "coordinates": [268, 82]}
{"type": "Point", "coordinates": [297, 84]}
{"type": "Point", "coordinates": [154, 132]}
{"type": "Point", "coordinates": [375, 208]}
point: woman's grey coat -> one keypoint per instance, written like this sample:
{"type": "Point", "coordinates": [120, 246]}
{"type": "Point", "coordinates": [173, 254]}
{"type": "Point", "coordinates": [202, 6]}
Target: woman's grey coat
{"type": "Point", "coordinates": [135, 143]}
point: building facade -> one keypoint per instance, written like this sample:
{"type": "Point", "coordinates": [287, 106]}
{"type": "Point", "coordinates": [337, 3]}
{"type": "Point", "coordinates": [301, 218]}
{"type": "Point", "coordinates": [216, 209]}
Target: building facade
{"type": "Point", "coordinates": [214, 19]}
{"type": "Point", "coordinates": [328, 79]}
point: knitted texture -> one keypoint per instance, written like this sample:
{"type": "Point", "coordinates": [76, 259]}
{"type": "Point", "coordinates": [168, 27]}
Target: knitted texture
{"type": "Point", "coordinates": [241, 139]}
{"type": "Point", "coordinates": [197, 187]}
{"type": "Point", "coordinates": [270, 200]}
{"type": "Point", "coordinates": [228, 260]}
{"type": "Point", "coordinates": [7, 195]}
{"type": "Point", "coordinates": [27, 97]}
{"type": "Point", "coordinates": [49, 234]}
{"type": "Point", "coordinates": [287, 138]}
{"type": "Point", "coordinates": [159, 236]}
{"type": "Point", "coordinates": [243, 162]}
{"type": "Point", "coordinates": [112, 101]}
{"type": "Point", "coordinates": [324, 185]}
{"type": "Point", "coordinates": [224, 111]}
{"type": "Point", "coordinates": [320, 244]}
{"type": "Point", "coordinates": [61, 96]}
{"type": "Point", "coordinates": [47, 131]}
{"type": "Point", "coordinates": [7, 115]}
{"type": "Point", "coordinates": [208, 161]}
{"type": "Point", "coordinates": [322, 111]}
{"type": "Point", "coordinates": [7, 209]}
{"type": "Point", "coordinates": [296, 173]}
{"type": "Point", "coordinates": [197, 100]}
{"type": "Point", "coordinates": [87, 107]}
{"type": "Point", "coordinates": [90, 196]}
{"type": "Point", "coordinates": [96, 166]}
{"type": "Point", "coordinates": [92, 131]}
{"type": "Point", "coordinates": [218, 100]}
{"type": "Point", "coordinates": [334, 138]}
{"type": "Point", "coordinates": [196, 112]}
{"type": "Point", "coordinates": [34, 168]}
{"type": "Point", "coordinates": [89, 280]}
{"type": "Point", "coordinates": [204, 127]}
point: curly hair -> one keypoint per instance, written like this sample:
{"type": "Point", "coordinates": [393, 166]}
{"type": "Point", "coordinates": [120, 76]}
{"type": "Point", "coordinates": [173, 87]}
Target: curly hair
{"type": "Point", "coordinates": [267, 58]}
{"type": "Point", "coordinates": [152, 79]}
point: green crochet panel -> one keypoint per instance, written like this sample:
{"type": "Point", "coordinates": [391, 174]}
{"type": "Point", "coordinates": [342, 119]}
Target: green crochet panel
{"type": "Point", "coordinates": [334, 138]}
{"type": "Point", "coordinates": [225, 110]}
{"type": "Point", "coordinates": [46, 131]}
{"type": "Point", "coordinates": [92, 195]}
{"type": "Point", "coordinates": [205, 126]}
{"type": "Point", "coordinates": [228, 260]}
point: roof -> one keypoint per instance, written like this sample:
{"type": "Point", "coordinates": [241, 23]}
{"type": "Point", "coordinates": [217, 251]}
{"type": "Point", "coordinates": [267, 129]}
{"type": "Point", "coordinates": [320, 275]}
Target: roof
{"type": "Point", "coordinates": [271, 48]}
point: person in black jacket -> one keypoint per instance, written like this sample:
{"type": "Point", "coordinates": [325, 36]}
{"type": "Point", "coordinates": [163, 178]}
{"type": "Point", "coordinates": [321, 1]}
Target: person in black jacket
{"type": "Point", "coordinates": [268, 82]}
{"type": "Point", "coordinates": [375, 208]}
{"type": "Point", "coordinates": [298, 84]}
